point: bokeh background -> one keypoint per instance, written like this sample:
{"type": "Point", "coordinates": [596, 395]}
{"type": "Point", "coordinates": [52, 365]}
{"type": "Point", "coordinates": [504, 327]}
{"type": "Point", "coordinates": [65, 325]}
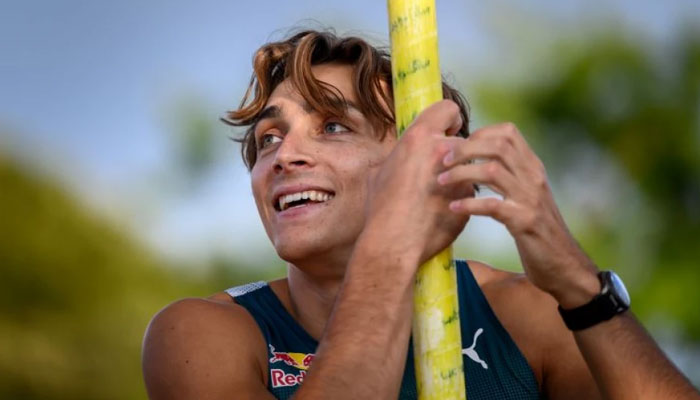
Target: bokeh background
{"type": "Point", "coordinates": [120, 191]}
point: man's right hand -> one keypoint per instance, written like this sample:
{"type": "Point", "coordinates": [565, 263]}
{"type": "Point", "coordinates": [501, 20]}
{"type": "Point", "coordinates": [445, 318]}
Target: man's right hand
{"type": "Point", "coordinates": [406, 208]}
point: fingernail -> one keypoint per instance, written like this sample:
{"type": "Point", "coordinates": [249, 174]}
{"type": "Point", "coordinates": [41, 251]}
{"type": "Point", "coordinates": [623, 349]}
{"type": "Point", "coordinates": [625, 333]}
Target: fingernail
{"type": "Point", "coordinates": [454, 205]}
{"type": "Point", "coordinates": [442, 178]}
{"type": "Point", "coordinates": [448, 158]}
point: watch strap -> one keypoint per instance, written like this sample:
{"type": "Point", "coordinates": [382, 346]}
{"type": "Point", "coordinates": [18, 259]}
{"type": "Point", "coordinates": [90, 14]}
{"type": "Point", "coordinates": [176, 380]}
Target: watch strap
{"type": "Point", "coordinates": [603, 307]}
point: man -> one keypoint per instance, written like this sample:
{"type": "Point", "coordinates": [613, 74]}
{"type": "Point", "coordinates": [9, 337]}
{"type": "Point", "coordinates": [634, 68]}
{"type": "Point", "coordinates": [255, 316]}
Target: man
{"type": "Point", "coordinates": [354, 212]}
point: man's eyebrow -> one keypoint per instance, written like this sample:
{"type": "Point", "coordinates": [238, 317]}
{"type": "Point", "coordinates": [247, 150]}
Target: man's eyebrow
{"type": "Point", "coordinates": [276, 111]}
{"type": "Point", "coordinates": [338, 104]}
{"type": "Point", "coordinates": [267, 113]}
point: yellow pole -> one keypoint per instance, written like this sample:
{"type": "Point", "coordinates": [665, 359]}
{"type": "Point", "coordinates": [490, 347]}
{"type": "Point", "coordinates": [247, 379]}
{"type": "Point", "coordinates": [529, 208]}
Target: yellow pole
{"type": "Point", "coordinates": [417, 83]}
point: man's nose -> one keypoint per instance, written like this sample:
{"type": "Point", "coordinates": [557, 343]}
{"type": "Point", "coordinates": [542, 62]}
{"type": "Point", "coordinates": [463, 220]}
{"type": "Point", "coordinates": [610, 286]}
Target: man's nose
{"type": "Point", "coordinates": [295, 151]}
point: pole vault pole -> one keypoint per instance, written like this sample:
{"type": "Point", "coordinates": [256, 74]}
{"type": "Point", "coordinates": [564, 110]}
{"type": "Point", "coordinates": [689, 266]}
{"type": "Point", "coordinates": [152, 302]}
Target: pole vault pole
{"type": "Point", "coordinates": [417, 84]}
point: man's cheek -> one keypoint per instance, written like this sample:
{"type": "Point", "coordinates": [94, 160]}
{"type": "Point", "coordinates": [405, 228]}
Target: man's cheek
{"type": "Point", "coordinates": [264, 212]}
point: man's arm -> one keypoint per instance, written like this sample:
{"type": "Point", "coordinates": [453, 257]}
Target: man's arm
{"type": "Point", "coordinates": [363, 350]}
{"type": "Point", "coordinates": [624, 360]}
{"type": "Point", "coordinates": [557, 354]}
{"type": "Point", "coordinates": [627, 363]}
{"type": "Point", "coordinates": [618, 357]}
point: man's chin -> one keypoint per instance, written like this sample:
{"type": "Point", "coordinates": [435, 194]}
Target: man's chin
{"type": "Point", "coordinates": [296, 252]}
{"type": "Point", "coordinates": [313, 255]}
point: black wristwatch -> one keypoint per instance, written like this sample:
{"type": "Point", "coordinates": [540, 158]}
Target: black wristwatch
{"type": "Point", "coordinates": [613, 299]}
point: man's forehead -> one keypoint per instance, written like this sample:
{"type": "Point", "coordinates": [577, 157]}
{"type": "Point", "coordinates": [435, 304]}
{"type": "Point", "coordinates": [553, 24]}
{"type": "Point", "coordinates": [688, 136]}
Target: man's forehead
{"type": "Point", "coordinates": [282, 96]}
{"type": "Point", "coordinates": [336, 78]}
{"type": "Point", "coordinates": [277, 101]}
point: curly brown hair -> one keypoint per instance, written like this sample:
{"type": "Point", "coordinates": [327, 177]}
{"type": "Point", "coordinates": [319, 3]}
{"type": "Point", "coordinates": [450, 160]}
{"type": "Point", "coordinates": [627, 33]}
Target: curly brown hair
{"type": "Point", "coordinates": [292, 59]}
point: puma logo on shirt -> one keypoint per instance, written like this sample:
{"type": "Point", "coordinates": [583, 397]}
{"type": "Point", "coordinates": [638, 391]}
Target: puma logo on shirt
{"type": "Point", "coordinates": [471, 353]}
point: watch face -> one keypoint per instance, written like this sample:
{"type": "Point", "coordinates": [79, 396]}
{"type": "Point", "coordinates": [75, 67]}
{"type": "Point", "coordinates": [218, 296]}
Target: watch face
{"type": "Point", "coordinates": [620, 289]}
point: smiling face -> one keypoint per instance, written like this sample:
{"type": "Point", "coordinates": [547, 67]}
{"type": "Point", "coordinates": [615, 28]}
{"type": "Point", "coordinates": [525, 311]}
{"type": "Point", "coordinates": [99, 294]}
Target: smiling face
{"type": "Point", "coordinates": [310, 177]}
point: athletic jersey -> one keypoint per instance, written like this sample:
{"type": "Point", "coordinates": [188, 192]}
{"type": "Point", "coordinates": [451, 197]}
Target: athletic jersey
{"type": "Point", "coordinates": [494, 366]}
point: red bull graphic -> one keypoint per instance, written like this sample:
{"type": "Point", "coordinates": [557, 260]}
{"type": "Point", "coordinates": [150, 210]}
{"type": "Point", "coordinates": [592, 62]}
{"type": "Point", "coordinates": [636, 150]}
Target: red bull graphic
{"type": "Point", "coordinates": [300, 361]}
{"type": "Point", "coordinates": [306, 362]}
{"type": "Point", "coordinates": [297, 360]}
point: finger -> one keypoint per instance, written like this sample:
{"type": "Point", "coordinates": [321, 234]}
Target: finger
{"type": "Point", "coordinates": [504, 211]}
{"type": "Point", "coordinates": [483, 147]}
{"type": "Point", "coordinates": [442, 117]}
{"type": "Point", "coordinates": [510, 134]}
{"type": "Point", "coordinates": [492, 173]}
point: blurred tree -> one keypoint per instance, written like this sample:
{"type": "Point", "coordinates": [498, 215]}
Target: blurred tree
{"type": "Point", "coordinates": [637, 109]}
{"type": "Point", "coordinates": [197, 141]}
{"type": "Point", "coordinates": [75, 295]}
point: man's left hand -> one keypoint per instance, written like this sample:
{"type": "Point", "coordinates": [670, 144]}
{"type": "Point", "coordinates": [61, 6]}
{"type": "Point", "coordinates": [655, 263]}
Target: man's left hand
{"type": "Point", "coordinates": [551, 258]}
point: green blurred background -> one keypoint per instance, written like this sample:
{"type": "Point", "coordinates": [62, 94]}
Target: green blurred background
{"type": "Point", "coordinates": [121, 192]}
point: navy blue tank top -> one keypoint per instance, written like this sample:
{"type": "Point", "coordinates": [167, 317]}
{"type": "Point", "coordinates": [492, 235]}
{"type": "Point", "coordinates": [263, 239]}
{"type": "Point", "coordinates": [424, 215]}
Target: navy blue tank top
{"type": "Point", "coordinates": [494, 366]}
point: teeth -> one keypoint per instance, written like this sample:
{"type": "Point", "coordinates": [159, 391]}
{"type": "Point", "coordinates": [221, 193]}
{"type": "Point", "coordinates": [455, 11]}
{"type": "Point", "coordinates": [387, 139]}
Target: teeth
{"type": "Point", "coordinates": [313, 195]}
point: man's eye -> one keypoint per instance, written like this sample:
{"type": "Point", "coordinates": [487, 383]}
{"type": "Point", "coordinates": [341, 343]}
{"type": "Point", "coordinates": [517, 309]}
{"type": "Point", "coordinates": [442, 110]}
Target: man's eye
{"type": "Point", "coordinates": [269, 139]}
{"type": "Point", "coordinates": [334, 127]}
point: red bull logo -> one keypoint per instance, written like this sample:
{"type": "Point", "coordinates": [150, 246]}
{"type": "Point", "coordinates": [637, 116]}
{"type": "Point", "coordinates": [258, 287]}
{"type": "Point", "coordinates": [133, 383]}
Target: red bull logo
{"type": "Point", "coordinates": [300, 361]}
{"type": "Point", "coordinates": [281, 378]}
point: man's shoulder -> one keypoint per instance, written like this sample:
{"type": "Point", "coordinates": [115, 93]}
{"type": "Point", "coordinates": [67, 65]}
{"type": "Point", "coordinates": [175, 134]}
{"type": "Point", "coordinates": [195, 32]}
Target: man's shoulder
{"type": "Point", "coordinates": [499, 285]}
{"type": "Point", "coordinates": [201, 322]}
{"type": "Point", "coordinates": [195, 339]}
{"type": "Point", "coordinates": [514, 299]}
{"type": "Point", "coordinates": [216, 320]}
{"type": "Point", "coordinates": [215, 310]}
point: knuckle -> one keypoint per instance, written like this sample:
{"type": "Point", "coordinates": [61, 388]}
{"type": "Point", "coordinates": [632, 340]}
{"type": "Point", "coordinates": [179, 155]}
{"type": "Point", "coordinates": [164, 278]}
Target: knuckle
{"type": "Point", "coordinates": [502, 145]}
{"type": "Point", "coordinates": [492, 170]}
{"type": "Point", "coordinates": [438, 150]}
{"type": "Point", "coordinates": [491, 205]}
{"type": "Point", "coordinates": [541, 181]}
{"type": "Point", "coordinates": [540, 178]}
{"type": "Point", "coordinates": [451, 106]}
{"type": "Point", "coordinates": [523, 223]}
{"type": "Point", "coordinates": [529, 221]}
{"type": "Point", "coordinates": [412, 135]}
{"type": "Point", "coordinates": [510, 128]}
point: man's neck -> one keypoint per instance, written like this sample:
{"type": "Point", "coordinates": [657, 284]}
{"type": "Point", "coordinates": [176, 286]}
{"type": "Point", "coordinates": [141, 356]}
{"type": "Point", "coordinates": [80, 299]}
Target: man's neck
{"type": "Point", "coordinates": [311, 298]}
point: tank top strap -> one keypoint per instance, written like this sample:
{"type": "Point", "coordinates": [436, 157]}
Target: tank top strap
{"type": "Point", "coordinates": [271, 315]}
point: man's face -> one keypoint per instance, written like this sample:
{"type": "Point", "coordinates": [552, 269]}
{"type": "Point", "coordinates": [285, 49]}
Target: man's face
{"type": "Point", "coordinates": [325, 161]}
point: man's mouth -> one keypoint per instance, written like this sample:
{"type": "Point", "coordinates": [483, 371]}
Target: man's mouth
{"type": "Point", "coordinates": [300, 199]}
